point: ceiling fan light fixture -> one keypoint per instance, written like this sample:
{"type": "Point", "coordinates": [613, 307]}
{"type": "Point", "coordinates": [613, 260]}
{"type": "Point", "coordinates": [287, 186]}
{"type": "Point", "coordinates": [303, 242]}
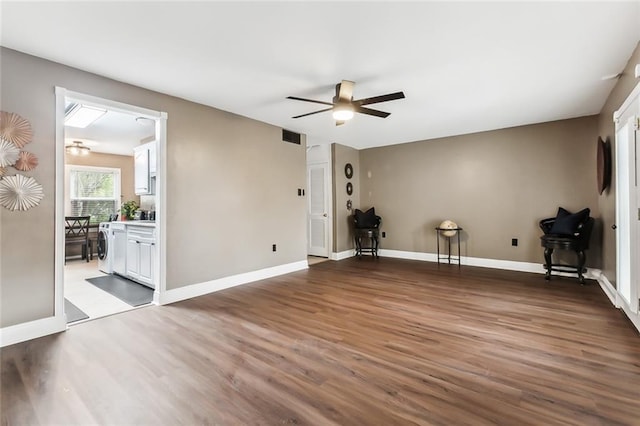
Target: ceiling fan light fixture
{"type": "Point", "coordinates": [343, 113]}
{"type": "Point", "coordinates": [77, 148]}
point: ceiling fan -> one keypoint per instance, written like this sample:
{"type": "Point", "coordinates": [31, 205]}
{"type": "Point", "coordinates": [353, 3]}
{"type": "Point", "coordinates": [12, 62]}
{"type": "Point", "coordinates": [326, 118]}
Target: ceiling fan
{"type": "Point", "coordinates": [344, 106]}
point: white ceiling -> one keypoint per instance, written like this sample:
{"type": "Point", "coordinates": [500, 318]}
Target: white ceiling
{"type": "Point", "coordinates": [464, 67]}
{"type": "Point", "coordinates": [113, 133]}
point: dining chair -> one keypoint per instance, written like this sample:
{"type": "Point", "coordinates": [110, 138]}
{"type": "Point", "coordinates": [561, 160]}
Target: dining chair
{"type": "Point", "coordinates": [77, 233]}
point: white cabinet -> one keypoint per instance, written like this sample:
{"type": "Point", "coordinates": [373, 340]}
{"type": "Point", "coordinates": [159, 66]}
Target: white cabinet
{"type": "Point", "coordinates": [141, 254]}
{"type": "Point", "coordinates": [153, 161]}
{"type": "Point", "coordinates": [145, 168]}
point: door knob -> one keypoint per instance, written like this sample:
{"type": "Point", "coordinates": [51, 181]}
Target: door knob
{"type": "Point", "coordinates": [325, 215]}
{"type": "Point", "coordinates": [614, 226]}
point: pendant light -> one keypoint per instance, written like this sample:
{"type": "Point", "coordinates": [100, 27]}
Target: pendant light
{"type": "Point", "coordinates": [77, 148]}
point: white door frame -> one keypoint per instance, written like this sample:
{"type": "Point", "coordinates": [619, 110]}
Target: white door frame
{"type": "Point", "coordinates": [160, 118]}
{"type": "Point", "coordinates": [321, 153]}
{"type": "Point", "coordinates": [327, 203]}
{"type": "Point", "coordinates": [627, 205]}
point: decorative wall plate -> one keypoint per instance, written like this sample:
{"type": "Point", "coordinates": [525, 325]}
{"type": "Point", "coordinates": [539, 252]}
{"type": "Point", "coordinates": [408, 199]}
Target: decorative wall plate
{"type": "Point", "coordinates": [15, 129]}
{"type": "Point", "coordinates": [349, 205]}
{"type": "Point", "coordinates": [603, 164]}
{"type": "Point", "coordinates": [26, 161]}
{"type": "Point", "coordinates": [20, 192]}
{"type": "Point", "coordinates": [348, 170]}
{"type": "Point", "coordinates": [349, 188]}
{"type": "Point", "coordinates": [8, 153]}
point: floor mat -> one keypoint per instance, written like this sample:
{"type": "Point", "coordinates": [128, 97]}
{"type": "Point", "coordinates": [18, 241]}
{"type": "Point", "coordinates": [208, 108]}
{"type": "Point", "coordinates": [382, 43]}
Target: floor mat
{"type": "Point", "coordinates": [73, 312]}
{"type": "Point", "coordinates": [126, 290]}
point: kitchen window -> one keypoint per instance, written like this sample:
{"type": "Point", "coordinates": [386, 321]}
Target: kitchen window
{"type": "Point", "coordinates": [92, 191]}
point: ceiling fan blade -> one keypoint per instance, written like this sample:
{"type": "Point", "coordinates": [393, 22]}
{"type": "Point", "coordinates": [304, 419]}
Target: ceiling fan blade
{"type": "Point", "coordinates": [344, 90]}
{"type": "Point", "coordinates": [369, 111]}
{"type": "Point", "coordinates": [339, 123]}
{"type": "Point", "coordinates": [295, 98]}
{"type": "Point", "coordinates": [314, 112]}
{"type": "Point", "coordinates": [381, 98]}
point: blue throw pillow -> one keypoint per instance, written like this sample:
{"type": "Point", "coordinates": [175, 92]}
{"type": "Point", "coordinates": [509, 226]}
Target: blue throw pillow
{"type": "Point", "coordinates": [567, 223]}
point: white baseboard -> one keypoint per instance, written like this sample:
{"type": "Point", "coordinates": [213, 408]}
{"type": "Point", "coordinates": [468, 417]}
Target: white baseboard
{"type": "Point", "coordinates": [342, 255]}
{"type": "Point", "coordinates": [32, 330]}
{"type": "Point", "coordinates": [194, 290]}
{"type": "Point", "coordinates": [633, 317]}
{"type": "Point", "coordinates": [510, 265]}
{"type": "Point", "coordinates": [607, 287]}
{"type": "Point", "coordinates": [411, 255]}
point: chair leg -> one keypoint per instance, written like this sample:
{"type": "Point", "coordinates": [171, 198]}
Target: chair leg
{"type": "Point", "coordinates": [582, 259]}
{"type": "Point", "coordinates": [547, 258]}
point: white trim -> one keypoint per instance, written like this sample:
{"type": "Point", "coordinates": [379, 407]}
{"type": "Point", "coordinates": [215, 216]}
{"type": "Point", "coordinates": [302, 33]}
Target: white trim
{"type": "Point", "coordinates": [58, 286]}
{"type": "Point", "coordinates": [160, 266]}
{"type": "Point", "coordinates": [510, 265]}
{"type": "Point", "coordinates": [627, 103]}
{"type": "Point", "coordinates": [160, 117]}
{"type": "Point", "coordinates": [411, 255]}
{"type": "Point", "coordinates": [32, 330]}
{"type": "Point", "coordinates": [633, 317]}
{"type": "Point", "coordinates": [342, 255]}
{"type": "Point", "coordinates": [194, 290]}
{"type": "Point", "coordinates": [607, 287]}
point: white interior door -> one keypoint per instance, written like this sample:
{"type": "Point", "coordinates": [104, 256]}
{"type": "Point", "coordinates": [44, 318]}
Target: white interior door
{"type": "Point", "coordinates": [318, 207]}
{"type": "Point", "coordinates": [625, 178]}
{"type": "Point", "coordinates": [627, 207]}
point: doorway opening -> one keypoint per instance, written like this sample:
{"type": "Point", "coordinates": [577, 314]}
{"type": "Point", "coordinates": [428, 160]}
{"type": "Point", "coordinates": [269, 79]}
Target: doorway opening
{"type": "Point", "coordinates": [319, 204]}
{"type": "Point", "coordinates": [109, 239]}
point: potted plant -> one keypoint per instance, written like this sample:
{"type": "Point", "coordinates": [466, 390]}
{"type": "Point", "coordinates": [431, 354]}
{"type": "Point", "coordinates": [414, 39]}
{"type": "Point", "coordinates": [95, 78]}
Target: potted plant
{"type": "Point", "coordinates": [128, 210]}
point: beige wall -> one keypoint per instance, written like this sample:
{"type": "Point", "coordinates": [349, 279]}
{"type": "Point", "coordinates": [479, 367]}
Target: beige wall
{"type": "Point", "coordinates": [342, 233]}
{"type": "Point", "coordinates": [231, 188]}
{"type": "Point", "coordinates": [123, 162]}
{"type": "Point", "coordinates": [606, 129]}
{"type": "Point", "coordinates": [496, 185]}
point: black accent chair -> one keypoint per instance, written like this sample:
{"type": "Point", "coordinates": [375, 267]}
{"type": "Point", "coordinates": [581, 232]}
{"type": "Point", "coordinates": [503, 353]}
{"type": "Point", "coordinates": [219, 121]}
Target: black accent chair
{"type": "Point", "coordinates": [77, 233]}
{"type": "Point", "coordinates": [566, 231]}
{"type": "Point", "coordinates": [366, 228]}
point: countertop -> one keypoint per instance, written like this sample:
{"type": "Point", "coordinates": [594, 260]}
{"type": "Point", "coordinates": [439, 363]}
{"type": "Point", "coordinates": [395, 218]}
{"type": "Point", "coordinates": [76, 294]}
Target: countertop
{"type": "Point", "coordinates": [145, 223]}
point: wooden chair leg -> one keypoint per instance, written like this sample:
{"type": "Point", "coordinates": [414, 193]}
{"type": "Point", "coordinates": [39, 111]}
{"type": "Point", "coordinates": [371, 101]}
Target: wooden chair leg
{"type": "Point", "coordinates": [582, 259]}
{"type": "Point", "coordinates": [547, 258]}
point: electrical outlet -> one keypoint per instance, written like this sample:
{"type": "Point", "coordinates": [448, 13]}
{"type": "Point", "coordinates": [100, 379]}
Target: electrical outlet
{"type": "Point", "coordinates": [273, 247]}
{"type": "Point", "coordinates": [384, 234]}
{"type": "Point", "coordinates": [514, 242]}
{"type": "Point", "coordinates": [299, 192]}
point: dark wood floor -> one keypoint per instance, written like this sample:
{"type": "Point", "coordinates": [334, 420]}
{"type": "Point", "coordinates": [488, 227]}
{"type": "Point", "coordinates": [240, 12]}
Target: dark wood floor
{"type": "Point", "coordinates": [356, 342]}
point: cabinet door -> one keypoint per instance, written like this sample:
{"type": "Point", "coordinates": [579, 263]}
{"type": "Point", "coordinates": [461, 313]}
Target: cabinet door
{"type": "Point", "coordinates": [141, 170]}
{"type": "Point", "coordinates": [146, 263]}
{"type": "Point", "coordinates": [153, 161]}
{"type": "Point", "coordinates": [133, 258]}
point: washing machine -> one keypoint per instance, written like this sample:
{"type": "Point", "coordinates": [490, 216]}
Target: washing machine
{"type": "Point", "coordinates": [105, 244]}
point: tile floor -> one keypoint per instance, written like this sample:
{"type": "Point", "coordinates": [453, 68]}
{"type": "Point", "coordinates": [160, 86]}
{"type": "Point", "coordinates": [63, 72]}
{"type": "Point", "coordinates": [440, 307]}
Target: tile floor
{"type": "Point", "coordinates": [98, 303]}
{"type": "Point", "coordinates": [94, 302]}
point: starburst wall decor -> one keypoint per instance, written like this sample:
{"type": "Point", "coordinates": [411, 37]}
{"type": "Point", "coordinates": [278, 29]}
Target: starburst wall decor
{"type": "Point", "coordinates": [17, 192]}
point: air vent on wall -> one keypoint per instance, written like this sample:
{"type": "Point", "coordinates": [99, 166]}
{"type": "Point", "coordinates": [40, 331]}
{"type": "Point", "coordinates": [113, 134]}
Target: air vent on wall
{"type": "Point", "coordinates": [291, 137]}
